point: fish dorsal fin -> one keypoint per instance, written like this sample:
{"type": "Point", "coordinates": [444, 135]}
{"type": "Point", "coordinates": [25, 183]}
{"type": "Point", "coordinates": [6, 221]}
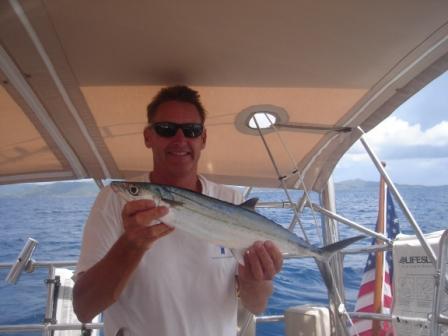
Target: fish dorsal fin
{"type": "Point", "coordinates": [250, 204]}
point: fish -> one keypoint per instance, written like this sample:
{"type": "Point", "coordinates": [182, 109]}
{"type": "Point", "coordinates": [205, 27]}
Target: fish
{"type": "Point", "coordinates": [232, 226]}
{"type": "Point", "coordinates": [235, 227]}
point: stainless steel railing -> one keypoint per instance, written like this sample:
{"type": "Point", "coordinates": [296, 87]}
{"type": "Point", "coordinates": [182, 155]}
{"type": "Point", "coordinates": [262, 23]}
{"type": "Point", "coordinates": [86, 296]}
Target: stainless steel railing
{"type": "Point", "coordinates": [49, 323]}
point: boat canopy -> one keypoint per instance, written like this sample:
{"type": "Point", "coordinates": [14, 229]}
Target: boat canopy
{"type": "Point", "coordinates": [77, 77]}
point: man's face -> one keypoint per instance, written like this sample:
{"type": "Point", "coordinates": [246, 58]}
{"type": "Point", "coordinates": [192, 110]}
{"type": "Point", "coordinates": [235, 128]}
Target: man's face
{"type": "Point", "coordinates": [176, 156]}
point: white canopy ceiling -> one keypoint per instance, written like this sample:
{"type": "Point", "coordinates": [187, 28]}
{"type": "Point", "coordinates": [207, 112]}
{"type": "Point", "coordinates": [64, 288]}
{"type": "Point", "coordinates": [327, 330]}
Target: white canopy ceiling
{"type": "Point", "coordinates": [77, 76]}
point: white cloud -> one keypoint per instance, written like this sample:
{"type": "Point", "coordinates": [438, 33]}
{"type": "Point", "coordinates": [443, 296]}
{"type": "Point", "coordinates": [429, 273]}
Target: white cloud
{"type": "Point", "coordinates": [398, 132]}
{"type": "Point", "coordinates": [393, 131]}
{"type": "Point", "coordinates": [413, 155]}
{"type": "Point", "coordinates": [413, 141]}
{"type": "Point", "coordinates": [407, 171]}
{"type": "Point", "coordinates": [395, 138]}
{"type": "Point", "coordinates": [438, 135]}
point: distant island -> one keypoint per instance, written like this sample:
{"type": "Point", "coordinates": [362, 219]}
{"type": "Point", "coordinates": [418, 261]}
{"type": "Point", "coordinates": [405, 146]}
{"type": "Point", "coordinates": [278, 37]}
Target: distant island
{"type": "Point", "coordinates": [362, 184]}
{"type": "Point", "coordinates": [90, 189]}
{"type": "Point", "coordinates": [59, 189]}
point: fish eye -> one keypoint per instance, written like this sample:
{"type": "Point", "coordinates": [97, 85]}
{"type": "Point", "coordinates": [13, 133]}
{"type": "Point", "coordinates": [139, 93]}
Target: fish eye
{"type": "Point", "coordinates": [133, 190]}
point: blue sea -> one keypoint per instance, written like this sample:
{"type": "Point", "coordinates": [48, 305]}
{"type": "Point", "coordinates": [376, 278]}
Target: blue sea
{"type": "Point", "coordinates": [57, 222]}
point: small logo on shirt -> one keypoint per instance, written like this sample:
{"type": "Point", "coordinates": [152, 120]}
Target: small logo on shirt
{"type": "Point", "coordinates": [220, 252]}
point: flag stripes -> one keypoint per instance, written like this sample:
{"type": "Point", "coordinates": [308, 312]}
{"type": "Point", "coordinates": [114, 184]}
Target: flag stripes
{"type": "Point", "coordinates": [377, 286]}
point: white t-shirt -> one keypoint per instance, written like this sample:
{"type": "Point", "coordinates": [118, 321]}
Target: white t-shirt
{"type": "Point", "coordinates": [182, 286]}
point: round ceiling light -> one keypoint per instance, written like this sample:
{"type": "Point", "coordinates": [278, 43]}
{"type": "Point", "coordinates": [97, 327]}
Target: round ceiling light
{"type": "Point", "coordinates": [262, 120]}
{"type": "Point", "coordinates": [264, 115]}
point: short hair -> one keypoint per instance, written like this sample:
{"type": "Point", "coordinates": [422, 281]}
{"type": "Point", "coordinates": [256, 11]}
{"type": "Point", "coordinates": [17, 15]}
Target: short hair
{"type": "Point", "coordinates": [180, 93]}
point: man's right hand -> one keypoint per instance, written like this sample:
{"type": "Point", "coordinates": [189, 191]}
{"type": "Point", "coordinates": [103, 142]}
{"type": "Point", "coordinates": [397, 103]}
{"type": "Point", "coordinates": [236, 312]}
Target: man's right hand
{"type": "Point", "coordinates": [102, 284]}
{"type": "Point", "coordinates": [137, 218]}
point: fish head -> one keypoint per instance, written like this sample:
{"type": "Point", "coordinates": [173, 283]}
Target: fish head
{"type": "Point", "coordinates": [131, 191]}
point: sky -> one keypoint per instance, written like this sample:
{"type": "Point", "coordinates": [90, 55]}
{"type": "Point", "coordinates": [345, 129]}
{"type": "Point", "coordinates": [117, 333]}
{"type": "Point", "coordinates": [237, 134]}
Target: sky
{"type": "Point", "coordinates": [413, 141]}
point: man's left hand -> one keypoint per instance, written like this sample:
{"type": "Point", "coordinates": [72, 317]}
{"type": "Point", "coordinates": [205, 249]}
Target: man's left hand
{"type": "Point", "coordinates": [262, 261]}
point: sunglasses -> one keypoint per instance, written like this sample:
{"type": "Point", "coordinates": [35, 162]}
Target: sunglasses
{"type": "Point", "coordinates": [169, 129]}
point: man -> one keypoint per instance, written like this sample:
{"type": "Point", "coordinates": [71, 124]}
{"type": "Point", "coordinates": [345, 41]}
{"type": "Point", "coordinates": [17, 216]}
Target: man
{"type": "Point", "coordinates": [152, 279]}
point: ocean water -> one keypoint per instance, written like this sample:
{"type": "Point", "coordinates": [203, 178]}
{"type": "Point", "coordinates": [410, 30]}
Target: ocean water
{"type": "Point", "coordinates": [56, 222]}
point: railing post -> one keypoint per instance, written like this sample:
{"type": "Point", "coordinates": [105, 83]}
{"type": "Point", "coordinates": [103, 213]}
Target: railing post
{"type": "Point", "coordinates": [330, 234]}
{"type": "Point", "coordinates": [440, 284]}
{"type": "Point", "coordinates": [49, 310]}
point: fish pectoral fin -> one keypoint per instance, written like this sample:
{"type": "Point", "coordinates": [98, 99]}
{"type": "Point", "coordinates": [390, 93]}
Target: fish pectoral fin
{"type": "Point", "coordinates": [172, 203]}
{"type": "Point", "coordinates": [250, 204]}
{"type": "Point", "coordinates": [238, 254]}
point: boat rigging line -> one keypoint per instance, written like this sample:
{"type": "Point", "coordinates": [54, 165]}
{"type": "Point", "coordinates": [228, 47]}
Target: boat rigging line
{"type": "Point", "coordinates": [280, 177]}
{"type": "Point", "coordinates": [300, 179]}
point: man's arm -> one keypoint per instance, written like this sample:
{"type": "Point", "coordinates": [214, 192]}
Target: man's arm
{"type": "Point", "coordinates": [262, 262]}
{"type": "Point", "coordinates": [101, 285]}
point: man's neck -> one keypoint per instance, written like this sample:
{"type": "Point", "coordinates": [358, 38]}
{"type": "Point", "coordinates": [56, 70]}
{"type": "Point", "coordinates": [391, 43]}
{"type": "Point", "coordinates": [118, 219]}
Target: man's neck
{"type": "Point", "coordinates": [186, 182]}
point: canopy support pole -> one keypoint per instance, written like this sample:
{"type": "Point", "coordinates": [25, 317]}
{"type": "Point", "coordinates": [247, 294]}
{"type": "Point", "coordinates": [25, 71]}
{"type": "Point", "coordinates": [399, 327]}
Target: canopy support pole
{"type": "Point", "coordinates": [429, 251]}
{"type": "Point", "coordinates": [330, 235]}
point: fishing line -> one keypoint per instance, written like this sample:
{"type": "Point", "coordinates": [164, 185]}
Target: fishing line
{"type": "Point", "coordinates": [300, 178]}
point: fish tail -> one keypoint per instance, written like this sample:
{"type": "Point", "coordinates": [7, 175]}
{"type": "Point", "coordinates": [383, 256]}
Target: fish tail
{"type": "Point", "coordinates": [326, 252]}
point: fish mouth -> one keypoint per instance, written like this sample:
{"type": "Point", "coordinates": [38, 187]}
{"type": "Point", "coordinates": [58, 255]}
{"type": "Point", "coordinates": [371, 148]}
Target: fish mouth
{"type": "Point", "coordinates": [114, 186]}
{"type": "Point", "coordinates": [118, 187]}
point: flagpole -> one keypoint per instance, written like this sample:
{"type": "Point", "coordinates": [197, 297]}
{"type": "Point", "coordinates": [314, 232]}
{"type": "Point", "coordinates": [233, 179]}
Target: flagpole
{"type": "Point", "coordinates": [375, 292]}
{"type": "Point", "coordinates": [379, 270]}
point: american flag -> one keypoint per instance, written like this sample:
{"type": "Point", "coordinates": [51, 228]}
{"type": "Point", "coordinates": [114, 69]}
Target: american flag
{"type": "Point", "coordinates": [375, 292]}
